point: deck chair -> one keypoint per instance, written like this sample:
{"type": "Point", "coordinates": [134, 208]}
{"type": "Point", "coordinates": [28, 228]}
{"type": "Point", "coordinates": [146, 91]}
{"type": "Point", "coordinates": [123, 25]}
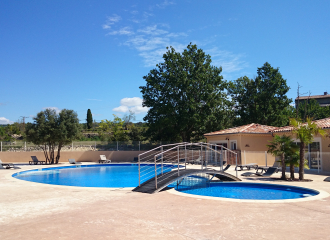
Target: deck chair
{"type": "Point", "coordinates": [103, 159]}
{"type": "Point", "coordinates": [35, 161]}
{"type": "Point", "coordinates": [72, 161]}
{"type": "Point", "coordinates": [198, 160]}
{"type": "Point", "coordinates": [266, 168]}
{"type": "Point", "coordinates": [226, 168]}
{"type": "Point", "coordinates": [247, 166]}
{"type": "Point", "coordinates": [6, 165]}
{"type": "Point", "coordinates": [270, 171]}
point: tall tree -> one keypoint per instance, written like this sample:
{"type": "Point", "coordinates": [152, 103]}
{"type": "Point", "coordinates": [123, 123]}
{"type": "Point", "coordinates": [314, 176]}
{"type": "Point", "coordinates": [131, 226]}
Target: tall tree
{"type": "Point", "coordinates": [305, 132]}
{"type": "Point", "coordinates": [89, 119]}
{"type": "Point", "coordinates": [51, 131]}
{"type": "Point", "coordinates": [263, 99]}
{"type": "Point", "coordinates": [186, 96]}
{"type": "Point", "coordinates": [312, 109]}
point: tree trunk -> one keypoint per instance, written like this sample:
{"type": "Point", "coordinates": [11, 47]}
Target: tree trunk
{"type": "Point", "coordinates": [283, 167]}
{"type": "Point", "coordinates": [58, 154]}
{"type": "Point", "coordinates": [292, 171]}
{"type": "Point", "coordinates": [46, 153]}
{"type": "Point", "coordinates": [302, 161]}
{"type": "Point", "coordinates": [51, 153]}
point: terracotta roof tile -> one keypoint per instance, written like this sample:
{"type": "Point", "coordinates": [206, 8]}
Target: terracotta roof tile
{"type": "Point", "coordinates": [250, 128]}
{"type": "Point", "coordinates": [322, 123]}
{"type": "Point", "coordinates": [258, 128]}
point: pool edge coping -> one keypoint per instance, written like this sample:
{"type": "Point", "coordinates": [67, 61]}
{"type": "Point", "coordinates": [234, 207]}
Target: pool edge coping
{"type": "Point", "coordinates": [322, 194]}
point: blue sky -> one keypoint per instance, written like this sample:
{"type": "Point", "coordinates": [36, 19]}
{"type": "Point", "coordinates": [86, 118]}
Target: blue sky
{"type": "Point", "coordinates": [93, 54]}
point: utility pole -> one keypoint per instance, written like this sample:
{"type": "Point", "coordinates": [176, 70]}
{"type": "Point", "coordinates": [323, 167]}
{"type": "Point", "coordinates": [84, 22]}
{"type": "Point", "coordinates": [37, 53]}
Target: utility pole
{"type": "Point", "coordinates": [298, 96]}
{"type": "Point", "coordinates": [24, 122]}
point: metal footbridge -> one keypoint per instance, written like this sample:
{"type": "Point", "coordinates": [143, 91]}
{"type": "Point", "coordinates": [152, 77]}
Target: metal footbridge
{"type": "Point", "coordinates": [163, 180]}
{"type": "Point", "coordinates": [170, 163]}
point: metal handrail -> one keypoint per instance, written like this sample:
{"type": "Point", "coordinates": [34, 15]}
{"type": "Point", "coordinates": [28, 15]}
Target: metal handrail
{"type": "Point", "coordinates": [151, 159]}
{"type": "Point", "coordinates": [159, 147]}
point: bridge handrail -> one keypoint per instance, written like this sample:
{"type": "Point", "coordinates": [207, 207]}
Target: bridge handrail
{"type": "Point", "coordinates": [158, 147]}
{"type": "Point", "coordinates": [151, 160]}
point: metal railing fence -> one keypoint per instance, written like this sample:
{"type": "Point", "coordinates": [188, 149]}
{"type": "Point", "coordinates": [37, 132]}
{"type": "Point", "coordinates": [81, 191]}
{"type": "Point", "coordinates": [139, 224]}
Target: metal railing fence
{"type": "Point", "coordinates": [165, 158]}
{"type": "Point", "coordinates": [22, 146]}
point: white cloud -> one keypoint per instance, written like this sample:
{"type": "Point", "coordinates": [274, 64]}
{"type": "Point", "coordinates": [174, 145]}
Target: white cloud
{"type": "Point", "coordinates": [230, 62]}
{"type": "Point", "coordinates": [164, 4]}
{"type": "Point", "coordinates": [151, 41]}
{"type": "Point", "coordinates": [152, 30]}
{"type": "Point", "coordinates": [139, 109]}
{"type": "Point", "coordinates": [111, 21]}
{"type": "Point", "coordinates": [121, 109]}
{"type": "Point", "coordinates": [131, 104]}
{"type": "Point", "coordinates": [122, 31]}
{"type": "Point", "coordinates": [4, 120]}
{"type": "Point", "coordinates": [57, 110]}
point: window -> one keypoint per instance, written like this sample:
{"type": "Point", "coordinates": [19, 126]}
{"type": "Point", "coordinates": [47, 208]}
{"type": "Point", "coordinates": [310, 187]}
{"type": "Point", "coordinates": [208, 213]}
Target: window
{"type": "Point", "coordinates": [233, 145]}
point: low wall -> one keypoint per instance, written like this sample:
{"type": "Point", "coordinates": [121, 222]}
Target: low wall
{"type": "Point", "coordinates": [257, 157]}
{"type": "Point", "coordinates": [83, 156]}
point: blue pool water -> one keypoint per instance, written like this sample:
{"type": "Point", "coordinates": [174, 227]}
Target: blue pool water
{"type": "Point", "coordinates": [252, 191]}
{"type": "Point", "coordinates": [100, 175]}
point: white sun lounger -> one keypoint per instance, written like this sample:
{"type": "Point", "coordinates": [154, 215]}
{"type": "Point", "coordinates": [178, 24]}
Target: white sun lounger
{"type": "Point", "coordinates": [103, 159]}
{"type": "Point", "coordinates": [72, 161]}
{"type": "Point", "coordinates": [6, 165]}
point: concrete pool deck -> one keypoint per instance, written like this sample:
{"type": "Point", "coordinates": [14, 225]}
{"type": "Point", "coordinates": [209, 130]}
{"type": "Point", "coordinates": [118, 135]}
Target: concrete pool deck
{"type": "Point", "coordinates": [31, 210]}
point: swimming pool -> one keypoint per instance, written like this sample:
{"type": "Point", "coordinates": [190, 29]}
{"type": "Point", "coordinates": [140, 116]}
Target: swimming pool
{"type": "Point", "coordinates": [98, 175]}
{"type": "Point", "coordinates": [250, 191]}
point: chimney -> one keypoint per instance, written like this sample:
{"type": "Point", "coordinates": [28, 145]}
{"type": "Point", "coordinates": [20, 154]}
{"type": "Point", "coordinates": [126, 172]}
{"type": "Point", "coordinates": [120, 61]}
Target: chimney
{"type": "Point", "coordinates": [325, 93]}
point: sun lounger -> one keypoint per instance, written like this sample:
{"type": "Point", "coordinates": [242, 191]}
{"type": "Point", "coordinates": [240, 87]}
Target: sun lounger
{"type": "Point", "coordinates": [72, 161]}
{"type": "Point", "coordinates": [103, 159]}
{"type": "Point", "coordinates": [6, 165]}
{"type": "Point", "coordinates": [197, 161]}
{"type": "Point", "coordinates": [226, 168]}
{"type": "Point", "coordinates": [247, 166]}
{"type": "Point", "coordinates": [264, 169]}
{"type": "Point", "coordinates": [270, 171]}
{"type": "Point", "coordinates": [35, 161]}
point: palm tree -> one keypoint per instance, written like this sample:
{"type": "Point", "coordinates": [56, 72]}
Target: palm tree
{"type": "Point", "coordinates": [292, 160]}
{"type": "Point", "coordinates": [305, 133]}
{"type": "Point", "coordinates": [283, 147]}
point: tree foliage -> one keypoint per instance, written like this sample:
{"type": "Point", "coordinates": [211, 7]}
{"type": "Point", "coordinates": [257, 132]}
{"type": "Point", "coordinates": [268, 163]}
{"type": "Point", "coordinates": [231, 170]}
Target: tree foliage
{"type": "Point", "coordinates": [305, 132]}
{"type": "Point", "coordinates": [312, 109]}
{"type": "Point", "coordinates": [263, 99]}
{"type": "Point", "coordinates": [186, 96]}
{"type": "Point", "coordinates": [112, 130]}
{"type": "Point", "coordinates": [52, 131]}
{"type": "Point", "coordinates": [285, 148]}
{"type": "Point", "coordinates": [89, 119]}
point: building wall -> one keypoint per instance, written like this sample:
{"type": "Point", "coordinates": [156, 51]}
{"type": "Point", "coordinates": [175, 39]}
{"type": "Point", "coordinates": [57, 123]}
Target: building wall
{"type": "Point", "coordinates": [253, 147]}
{"type": "Point", "coordinates": [325, 148]}
{"type": "Point", "coordinates": [83, 156]}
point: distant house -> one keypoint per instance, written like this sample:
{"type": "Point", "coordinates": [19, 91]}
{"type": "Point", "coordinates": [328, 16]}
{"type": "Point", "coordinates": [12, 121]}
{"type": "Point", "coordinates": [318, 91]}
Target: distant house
{"type": "Point", "coordinates": [323, 100]}
{"type": "Point", "coordinates": [251, 141]}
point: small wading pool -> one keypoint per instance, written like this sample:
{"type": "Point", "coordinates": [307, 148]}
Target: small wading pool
{"type": "Point", "coordinates": [100, 175]}
{"type": "Point", "coordinates": [251, 191]}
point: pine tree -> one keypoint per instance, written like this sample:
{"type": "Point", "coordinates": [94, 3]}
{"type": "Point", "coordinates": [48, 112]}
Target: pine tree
{"type": "Point", "coordinates": [89, 119]}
